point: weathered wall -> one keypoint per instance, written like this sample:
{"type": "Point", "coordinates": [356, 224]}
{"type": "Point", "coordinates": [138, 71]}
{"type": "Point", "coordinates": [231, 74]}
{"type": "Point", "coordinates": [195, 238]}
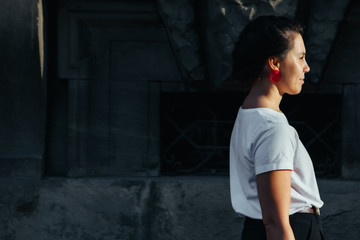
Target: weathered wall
{"type": "Point", "coordinates": [146, 208]}
{"type": "Point", "coordinates": [177, 208]}
{"type": "Point", "coordinates": [223, 24]}
{"type": "Point", "coordinates": [214, 26]}
{"type": "Point", "coordinates": [211, 28]}
{"type": "Point", "coordinates": [343, 71]}
{"type": "Point", "coordinates": [22, 98]}
{"type": "Point", "coordinates": [22, 91]}
{"type": "Point", "coordinates": [322, 26]}
{"type": "Point", "coordinates": [182, 27]}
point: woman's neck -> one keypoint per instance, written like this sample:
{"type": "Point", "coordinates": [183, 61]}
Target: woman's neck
{"type": "Point", "coordinates": [263, 94]}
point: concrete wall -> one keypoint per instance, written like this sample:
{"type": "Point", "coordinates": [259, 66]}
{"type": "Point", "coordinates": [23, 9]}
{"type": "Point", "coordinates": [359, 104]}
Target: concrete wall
{"type": "Point", "coordinates": [343, 71]}
{"type": "Point", "coordinates": [154, 207]}
{"type": "Point", "coordinates": [22, 91]}
{"type": "Point", "coordinates": [163, 208]}
{"type": "Point", "coordinates": [212, 27]}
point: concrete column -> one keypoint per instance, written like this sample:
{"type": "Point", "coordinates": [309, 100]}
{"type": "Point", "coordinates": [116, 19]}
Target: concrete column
{"type": "Point", "coordinates": [351, 132]}
{"type": "Point", "coordinates": [22, 94]}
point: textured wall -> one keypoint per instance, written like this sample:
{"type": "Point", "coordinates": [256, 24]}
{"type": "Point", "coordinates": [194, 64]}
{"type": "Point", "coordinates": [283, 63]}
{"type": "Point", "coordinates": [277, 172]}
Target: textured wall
{"type": "Point", "coordinates": [322, 26]}
{"type": "Point", "coordinates": [224, 23]}
{"type": "Point", "coordinates": [179, 18]}
{"type": "Point", "coordinates": [177, 208]}
{"type": "Point", "coordinates": [212, 27]}
{"type": "Point", "coordinates": [22, 91]}
{"type": "Point", "coordinates": [203, 35]}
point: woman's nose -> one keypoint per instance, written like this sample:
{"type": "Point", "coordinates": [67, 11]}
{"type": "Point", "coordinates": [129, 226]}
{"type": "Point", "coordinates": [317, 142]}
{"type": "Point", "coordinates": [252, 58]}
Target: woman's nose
{"type": "Point", "coordinates": [307, 68]}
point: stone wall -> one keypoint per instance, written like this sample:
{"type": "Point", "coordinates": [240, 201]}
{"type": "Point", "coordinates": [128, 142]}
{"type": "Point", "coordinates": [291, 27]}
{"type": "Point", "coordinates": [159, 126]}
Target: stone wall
{"type": "Point", "coordinates": [203, 35]}
{"type": "Point", "coordinates": [181, 24]}
{"type": "Point", "coordinates": [218, 24]}
{"type": "Point", "coordinates": [321, 29]}
{"type": "Point", "coordinates": [211, 31]}
{"type": "Point", "coordinates": [176, 208]}
{"type": "Point", "coordinates": [342, 71]}
{"type": "Point", "coordinates": [223, 24]}
{"type": "Point", "coordinates": [22, 91]}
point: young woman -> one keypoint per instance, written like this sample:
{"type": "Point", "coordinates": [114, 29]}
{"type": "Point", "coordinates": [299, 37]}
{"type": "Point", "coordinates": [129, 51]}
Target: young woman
{"type": "Point", "coordinates": [272, 178]}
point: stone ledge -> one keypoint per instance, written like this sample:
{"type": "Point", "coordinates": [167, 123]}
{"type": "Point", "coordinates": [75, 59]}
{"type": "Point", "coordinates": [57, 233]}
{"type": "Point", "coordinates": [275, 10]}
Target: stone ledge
{"type": "Point", "coordinates": [148, 208]}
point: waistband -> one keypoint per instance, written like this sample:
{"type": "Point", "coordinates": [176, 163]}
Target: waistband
{"type": "Point", "coordinates": [313, 210]}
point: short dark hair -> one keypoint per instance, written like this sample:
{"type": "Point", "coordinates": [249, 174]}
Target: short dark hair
{"type": "Point", "coordinates": [264, 37]}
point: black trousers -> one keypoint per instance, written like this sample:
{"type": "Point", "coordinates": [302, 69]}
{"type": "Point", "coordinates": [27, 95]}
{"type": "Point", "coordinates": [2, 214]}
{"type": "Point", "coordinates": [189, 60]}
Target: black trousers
{"type": "Point", "coordinates": [306, 226]}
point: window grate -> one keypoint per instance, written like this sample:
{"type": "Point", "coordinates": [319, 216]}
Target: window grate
{"type": "Point", "coordinates": [196, 130]}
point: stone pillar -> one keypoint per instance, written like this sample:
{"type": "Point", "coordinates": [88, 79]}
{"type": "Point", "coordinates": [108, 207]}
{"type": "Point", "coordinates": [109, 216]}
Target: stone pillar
{"type": "Point", "coordinates": [351, 132]}
{"type": "Point", "coordinates": [342, 70]}
{"type": "Point", "coordinates": [22, 91]}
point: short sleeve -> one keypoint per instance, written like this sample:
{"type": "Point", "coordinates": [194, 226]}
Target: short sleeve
{"type": "Point", "coordinates": [274, 148]}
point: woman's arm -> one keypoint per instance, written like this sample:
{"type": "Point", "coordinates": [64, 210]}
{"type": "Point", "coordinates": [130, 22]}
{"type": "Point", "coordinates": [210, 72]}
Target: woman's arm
{"type": "Point", "coordinates": [274, 194]}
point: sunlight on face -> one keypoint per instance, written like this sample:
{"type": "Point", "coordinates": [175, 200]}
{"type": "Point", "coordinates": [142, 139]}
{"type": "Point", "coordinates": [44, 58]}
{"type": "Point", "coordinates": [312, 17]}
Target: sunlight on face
{"type": "Point", "coordinates": [293, 68]}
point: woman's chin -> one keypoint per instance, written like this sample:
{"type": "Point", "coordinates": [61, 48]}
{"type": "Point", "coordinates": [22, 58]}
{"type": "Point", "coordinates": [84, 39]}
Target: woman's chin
{"type": "Point", "coordinates": [295, 91]}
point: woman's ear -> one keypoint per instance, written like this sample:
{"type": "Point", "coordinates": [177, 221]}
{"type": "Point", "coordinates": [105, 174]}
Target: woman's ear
{"type": "Point", "coordinates": [274, 63]}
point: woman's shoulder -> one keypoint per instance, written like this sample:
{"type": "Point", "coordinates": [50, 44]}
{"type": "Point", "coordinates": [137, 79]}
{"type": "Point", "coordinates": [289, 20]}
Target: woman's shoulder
{"type": "Point", "coordinates": [263, 115]}
{"type": "Point", "coordinates": [263, 120]}
{"type": "Point", "coordinates": [275, 129]}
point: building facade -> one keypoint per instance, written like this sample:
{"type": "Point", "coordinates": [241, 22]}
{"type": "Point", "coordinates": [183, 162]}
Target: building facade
{"type": "Point", "coordinates": [116, 115]}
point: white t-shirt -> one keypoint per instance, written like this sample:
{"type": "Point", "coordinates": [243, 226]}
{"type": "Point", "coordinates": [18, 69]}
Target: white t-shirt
{"type": "Point", "coordinates": [262, 140]}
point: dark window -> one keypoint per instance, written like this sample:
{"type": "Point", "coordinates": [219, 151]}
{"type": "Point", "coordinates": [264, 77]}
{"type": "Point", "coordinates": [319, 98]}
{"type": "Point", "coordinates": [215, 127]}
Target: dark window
{"type": "Point", "coordinates": [196, 130]}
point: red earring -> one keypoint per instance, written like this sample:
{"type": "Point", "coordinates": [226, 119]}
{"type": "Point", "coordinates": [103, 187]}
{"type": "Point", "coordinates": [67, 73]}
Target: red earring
{"type": "Point", "coordinates": [275, 76]}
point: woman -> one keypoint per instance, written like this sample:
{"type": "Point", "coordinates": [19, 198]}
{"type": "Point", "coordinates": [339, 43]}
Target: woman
{"type": "Point", "coordinates": [271, 174]}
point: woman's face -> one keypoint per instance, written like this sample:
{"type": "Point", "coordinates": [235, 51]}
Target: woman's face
{"type": "Point", "coordinates": [293, 68]}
